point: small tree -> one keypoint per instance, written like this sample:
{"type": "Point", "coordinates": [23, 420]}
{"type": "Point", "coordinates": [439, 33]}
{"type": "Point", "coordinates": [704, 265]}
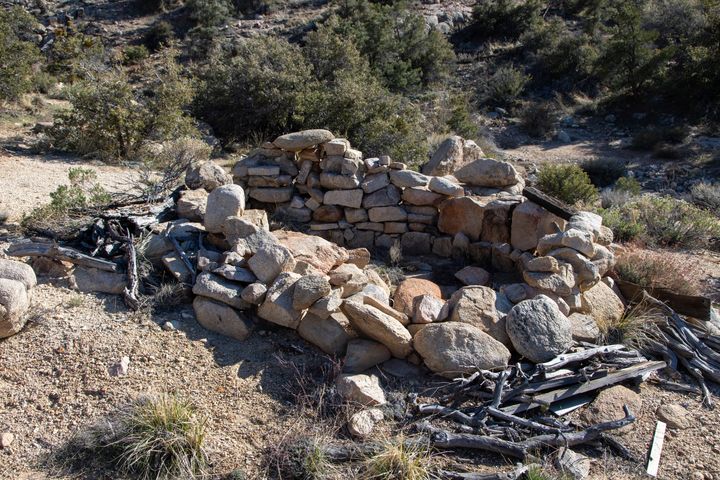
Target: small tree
{"type": "Point", "coordinates": [17, 56]}
{"type": "Point", "coordinates": [568, 183]}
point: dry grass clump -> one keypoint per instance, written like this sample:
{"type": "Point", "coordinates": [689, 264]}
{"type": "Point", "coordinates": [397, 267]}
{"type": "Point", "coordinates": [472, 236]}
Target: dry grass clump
{"type": "Point", "coordinates": [653, 269]}
{"type": "Point", "coordinates": [153, 438]}
{"type": "Point", "coordinates": [635, 327]}
{"type": "Point", "coordinates": [399, 460]}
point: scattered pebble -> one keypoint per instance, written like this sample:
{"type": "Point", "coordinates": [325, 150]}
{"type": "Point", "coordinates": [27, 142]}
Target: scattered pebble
{"type": "Point", "coordinates": [6, 439]}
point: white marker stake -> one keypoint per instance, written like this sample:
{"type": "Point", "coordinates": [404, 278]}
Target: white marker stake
{"type": "Point", "coordinates": [656, 449]}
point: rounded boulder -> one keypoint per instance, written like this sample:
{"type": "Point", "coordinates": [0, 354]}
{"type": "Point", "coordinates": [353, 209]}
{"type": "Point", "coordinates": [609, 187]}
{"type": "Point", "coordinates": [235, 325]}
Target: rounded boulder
{"type": "Point", "coordinates": [538, 330]}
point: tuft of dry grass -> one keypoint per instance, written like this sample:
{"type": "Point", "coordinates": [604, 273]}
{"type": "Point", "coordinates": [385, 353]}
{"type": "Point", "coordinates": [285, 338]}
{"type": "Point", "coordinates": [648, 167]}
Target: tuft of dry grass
{"type": "Point", "coordinates": [660, 269]}
{"type": "Point", "coordinates": [399, 459]}
{"type": "Point", "coordinates": [153, 438]}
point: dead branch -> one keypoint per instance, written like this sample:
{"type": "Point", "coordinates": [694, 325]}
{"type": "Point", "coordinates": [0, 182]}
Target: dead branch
{"type": "Point", "coordinates": [130, 294]}
{"type": "Point", "coordinates": [52, 250]}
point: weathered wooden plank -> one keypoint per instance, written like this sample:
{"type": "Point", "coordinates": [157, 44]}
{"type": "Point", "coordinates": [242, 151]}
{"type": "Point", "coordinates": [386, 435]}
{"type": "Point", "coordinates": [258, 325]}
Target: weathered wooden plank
{"type": "Point", "coordinates": [32, 249]}
{"type": "Point", "coordinates": [551, 204]}
{"type": "Point", "coordinates": [656, 449]}
{"type": "Point", "coordinates": [610, 379]}
{"type": "Point", "coordinates": [691, 306]}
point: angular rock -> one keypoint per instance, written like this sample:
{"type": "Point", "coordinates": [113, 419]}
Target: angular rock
{"type": "Point", "coordinates": [584, 328]}
{"type": "Point", "coordinates": [217, 288]}
{"type": "Point", "coordinates": [328, 213]}
{"type": "Point", "coordinates": [387, 214]}
{"type": "Point", "coordinates": [363, 354]}
{"type": "Point", "coordinates": [192, 205]}
{"type": "Point", "coordinates": [674, 415]}
{"type": "Point", "coordinates": [603, 304]}
{"type": "Point", "coordinates": [376, 181]}
{"type": "Point", "coordinates": [296, 141]}
{"type": "Point", "coordinates": [330, 334]}
{"type": "Point", "coordinates": [497, 220]}
{"type": "Point", "coordinates": [451, 349]}
{"type": "Point", "coordinates": [336, 146]}
{"type": "Point", "coordinates": [420, 196]}
{"type": "Point", "coordinates": [531, 222]}
{"type": "Point", "coordinates": [473, 276]}
{"type": "Point", "coordinates": [313, 250]}
{"type": "Point", "coordinates": [445, 186]}
{"type": "Point", "coordinates": [447, 158]}
{"type": "Point", "coordinates": [94, 280]}
{"type": "Point", "coordinates": [416, 243]}
{"type": "Point", "coordinates": [330, 303]}
{"type": "Point", "coordinates": [356, 215]}
{"type": "Point", "coordinates": [360, 257]}
{"type": "Point", "coordinates": [270, 261]}
{"type": "Point", "coordinates": [221, 318]}
{"type": "Point", "coordinates": [379, 326]}
{"type": "Point", "coordinates": [362, 389]}
{"type": "Point", "coordinates": [362, 423]}
{"type": "Point", "coordinates": [254, 293]}
{"type": "Point", "coordinates": [14, 302]}
{"type": "Point", "coordinates": [561, 283]}
{"type": "Point", "coordinates": [236, 274]}
{"type": "Point", "coordinates": [483, 308]}
{"type": "Point", "coordinates": [309, 289]}
{"type": "Point", "coordinates": [272, 195]}
{"type": "Point", "coordinates": [573, 464]}
{"type": "Point", "coordinates": [207, 175]}
{"type": "Point", "coordinates": [427, 309]}
{"type": "Point", "coordinates": [408, 290]}
{"type": "Point", "coordinates": [337, 181]}
{"type": "Point", "coordinates": [576, 239]}
{"type": "Point", "coordinates": [350, 277]}
{"type": "Point", "coordinates": [389, 196]}
{"type": "Point", "coordinates": [345, 198]}
{"type": "Point", "coordinates": [487, 172]}
{"type": "Point", "coordinates": [278, 305]}
{"type": "Point", "coordinates": [223, 202]}
{"type": "Point", "coordinates": [408, 178]}
{"type": "Point", "coordinates": [538, 330]}
{"type": "Point", "coordinates": [462, 215]}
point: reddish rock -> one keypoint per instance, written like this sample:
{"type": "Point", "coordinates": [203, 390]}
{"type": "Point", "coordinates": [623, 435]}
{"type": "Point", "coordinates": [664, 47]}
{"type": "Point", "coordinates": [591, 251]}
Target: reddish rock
{"type": "Point", "coordinates": [409, 289]}
{"type": "Point", "coordinates": [462, 215]}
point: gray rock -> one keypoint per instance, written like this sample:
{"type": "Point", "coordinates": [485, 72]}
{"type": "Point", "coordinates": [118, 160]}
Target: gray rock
{"type": "Point", "coordinates": [94, 280]}
{"type": "Point", "coordinates": [330, 334]}
{"type": "Point", "coordinates": [363, 354]}
{"type": "Point", "coordinates": [451, 349]}
{"type": "Point", "coordinates": [389, 196]}
{"type": "Point", "coordinates": [192, 205]}
{"type": "Point", "coordinates": [445, 186]}
{"type": "Point", "coordinates": [277, 307]}
{"type": "Point", "coordinates": [416, 243]}
{"type": "Point", "coordinates": [337, 146]}
{"type": "Point", "coordinates": [447, 158]}
{"type": "Point", "coordinates": [14, 302]}
{"type": "Point", "coordinates": [216, 287]}
{"type": "Point", "coordinates": [373, 183]}
{"type": "Point", "coordinates": [421, 196]}
{"type": "Point", "coordinates": [310, 289]}
{"type": "Point", "coordinates": [387, 214]}
{"type": "Point", "coordinates": [221, 318]}
{"type": "Point", "coordinates": [486, 172]}
{"type": "Point", "coordinates": [328, 304]}
{"type": "Point", "coordinates": [408, 178]}
{"type": "Point", "coordinates": [254, 293]}
{"type": "Point", "coordinates": [270, 261]}
{"type": "Point", "coordinates": [296, 141]}
{"type": "Point", "coordinates": [574, 464]}
{"type": "Point", "coordinates": [272, 195]}
{"type": "Point", "coordinates": [356, 215]}
{"type": "Point", "coordinates": [336, 181]}
{"type": "Point", "coordinates": [207, 175]}
{"type": "Point", "coordinates": [483, 308]}
{"type": "Point", "coordinates": [345, 198]}
{"type": "Point", "coordinates": [674, 415]}
{"type": "Point", "coordinates": [362, 389]}
{"type": "Point", "coordinates": [236, 274]}
{"type": "Point", "coordinates": [362, 423]}
{"type": "Point", "coordinates": [350, 277]}
{"type": "Point", "coordinates": [22, 272]}
{"type": "Point", "coordinates": [223, 202]}
{"type": "Point", "coordinates": [473, 276]}
{"type": "Point", "coordinates": [427, 309]}
{"type": "Point", "coordinates": [584, 328]}
{"type": "Point", "coordinates": [538, 330]}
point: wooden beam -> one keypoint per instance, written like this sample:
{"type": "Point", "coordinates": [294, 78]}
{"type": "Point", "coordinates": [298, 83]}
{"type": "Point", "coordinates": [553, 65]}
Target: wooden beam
{"type": "Point", "coordinates": [656, 449]}
{"type": "Point", "coordinates": [32, 249]}
{"type": "Point", "coordinates": [610, 379]}
{"type": "Point", "coordinates": [551, 204]}
{"type": "Point", "coordinates": [691, 306]}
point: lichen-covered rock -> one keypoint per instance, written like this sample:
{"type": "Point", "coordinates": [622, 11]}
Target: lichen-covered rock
{"type": "Point", "coordinates": [451, 349]}
{"type": "Point", "coordinates": [14, 302]}
{"type": "Point", "coordinates": [309, 289]}
{"type": "Point", "coordinates": [221, 318]}
{"type": "Point", "coordinates": [538, 330]}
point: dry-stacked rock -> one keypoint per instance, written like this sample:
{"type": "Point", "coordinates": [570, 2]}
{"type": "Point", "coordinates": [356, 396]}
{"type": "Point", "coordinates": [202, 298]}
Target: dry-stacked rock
{"type": "Point", "coordinates": [16, 283]}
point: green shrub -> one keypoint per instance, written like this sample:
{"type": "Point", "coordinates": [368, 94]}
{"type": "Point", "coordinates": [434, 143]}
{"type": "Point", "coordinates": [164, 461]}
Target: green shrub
{"type": "Point", "coordinates": [603, 172]}
{"type": "Point", "coordinates": [652, 138]}
{"type": "Point", "coordinates": [209, 13]}
{"type": "Point", "coordinates": [505, 18]}
{"type": "Point", "coordinates": [664, 221]}
{"type": "Point", "coordinates": [707, 196]}
{"type": "Point", "coordinates": [254, 6]}
{"type": "Point", "coordinates": [71, 54]}
{"type": "Point", "coordinates": [152, 6]}
{"type": "Point", "coordinates": [134, 54]}
{"type": "Point", "coordinates": [404, 54]}
{"type": "Point", "coordinates": [538, 119]}
{"type": "Point", "coordinates": [159, 35]}
{"type": "Point", "coordinates": [460, 121]}
{"type": "Point", "coordinates": [111, 118]}
{"type": "Point", "coordinates": [568, 183]}
{"type": "Point", "coordinates": [159, 438]}
{"type": "Point", "coordinates": [506, 85]}
{"type": "Point", "coordinates": [629, 185]}
{"type": "Point", "coordinates": [18, 56]}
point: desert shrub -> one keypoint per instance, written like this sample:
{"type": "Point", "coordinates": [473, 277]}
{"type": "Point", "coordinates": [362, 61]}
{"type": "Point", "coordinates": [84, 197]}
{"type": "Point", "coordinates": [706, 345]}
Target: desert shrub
{"type": "Point", "coordinates": [152, 6]}
{"type": "Point", "coordinates": [568, 183]}
{"type": "Point", "coordinates": [673, 271]}
{"type": "Point", "coordinates": [623, 221]}
{"type": "Point", "coordinates": [209, 13]}
{"type": "Point", "coordinates": [629, 185]}
{"type": "Point", "coordinates": [159, 35]}
{"type": "Point", "coordinates": [663, 221]}
{"type": "Point", "coordinates": [300, 458]}
{"type": "Point", "coordinates": [111, 118]}
{"type": "Point", "coordinates": [505, 18]}
{"type": "Point", "coordinates": [460, 121]}
{"type": "Point", "coordinates": [73, 54]}
{"type": "Point", "coordinates": [18, 55]}
{"type": "Point", "coordinates": [603, 172]}
{"type": "Point", "coordinates": [399, 460]}
{"type": "Point", "coordinates": [254, 6]}
{"type": "Point", "coordinates": [134, 54]}
{"type": "Point", "coordinates": [159, 437]}
{"type": "Point", "coordinates": [402, 52]}
{"type": "Point", "coordinates": [651, 138]}
{"type": "Point", "coordinates": [538, 119]}
{"type": "Point", "coordinates": [506, 85]}
{"type": "Point", "coordinates": [707, 196]}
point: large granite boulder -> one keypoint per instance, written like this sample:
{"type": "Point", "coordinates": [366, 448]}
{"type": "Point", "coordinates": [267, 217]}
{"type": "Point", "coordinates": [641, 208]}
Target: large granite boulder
{"type": "Point", "coordinates": [538, 330]}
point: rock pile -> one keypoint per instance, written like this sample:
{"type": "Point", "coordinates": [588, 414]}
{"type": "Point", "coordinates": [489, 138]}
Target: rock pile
{"type": "Point", "coordinates": [16, 283]}
{"type": "Point", "coordinates": [320, 284]}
